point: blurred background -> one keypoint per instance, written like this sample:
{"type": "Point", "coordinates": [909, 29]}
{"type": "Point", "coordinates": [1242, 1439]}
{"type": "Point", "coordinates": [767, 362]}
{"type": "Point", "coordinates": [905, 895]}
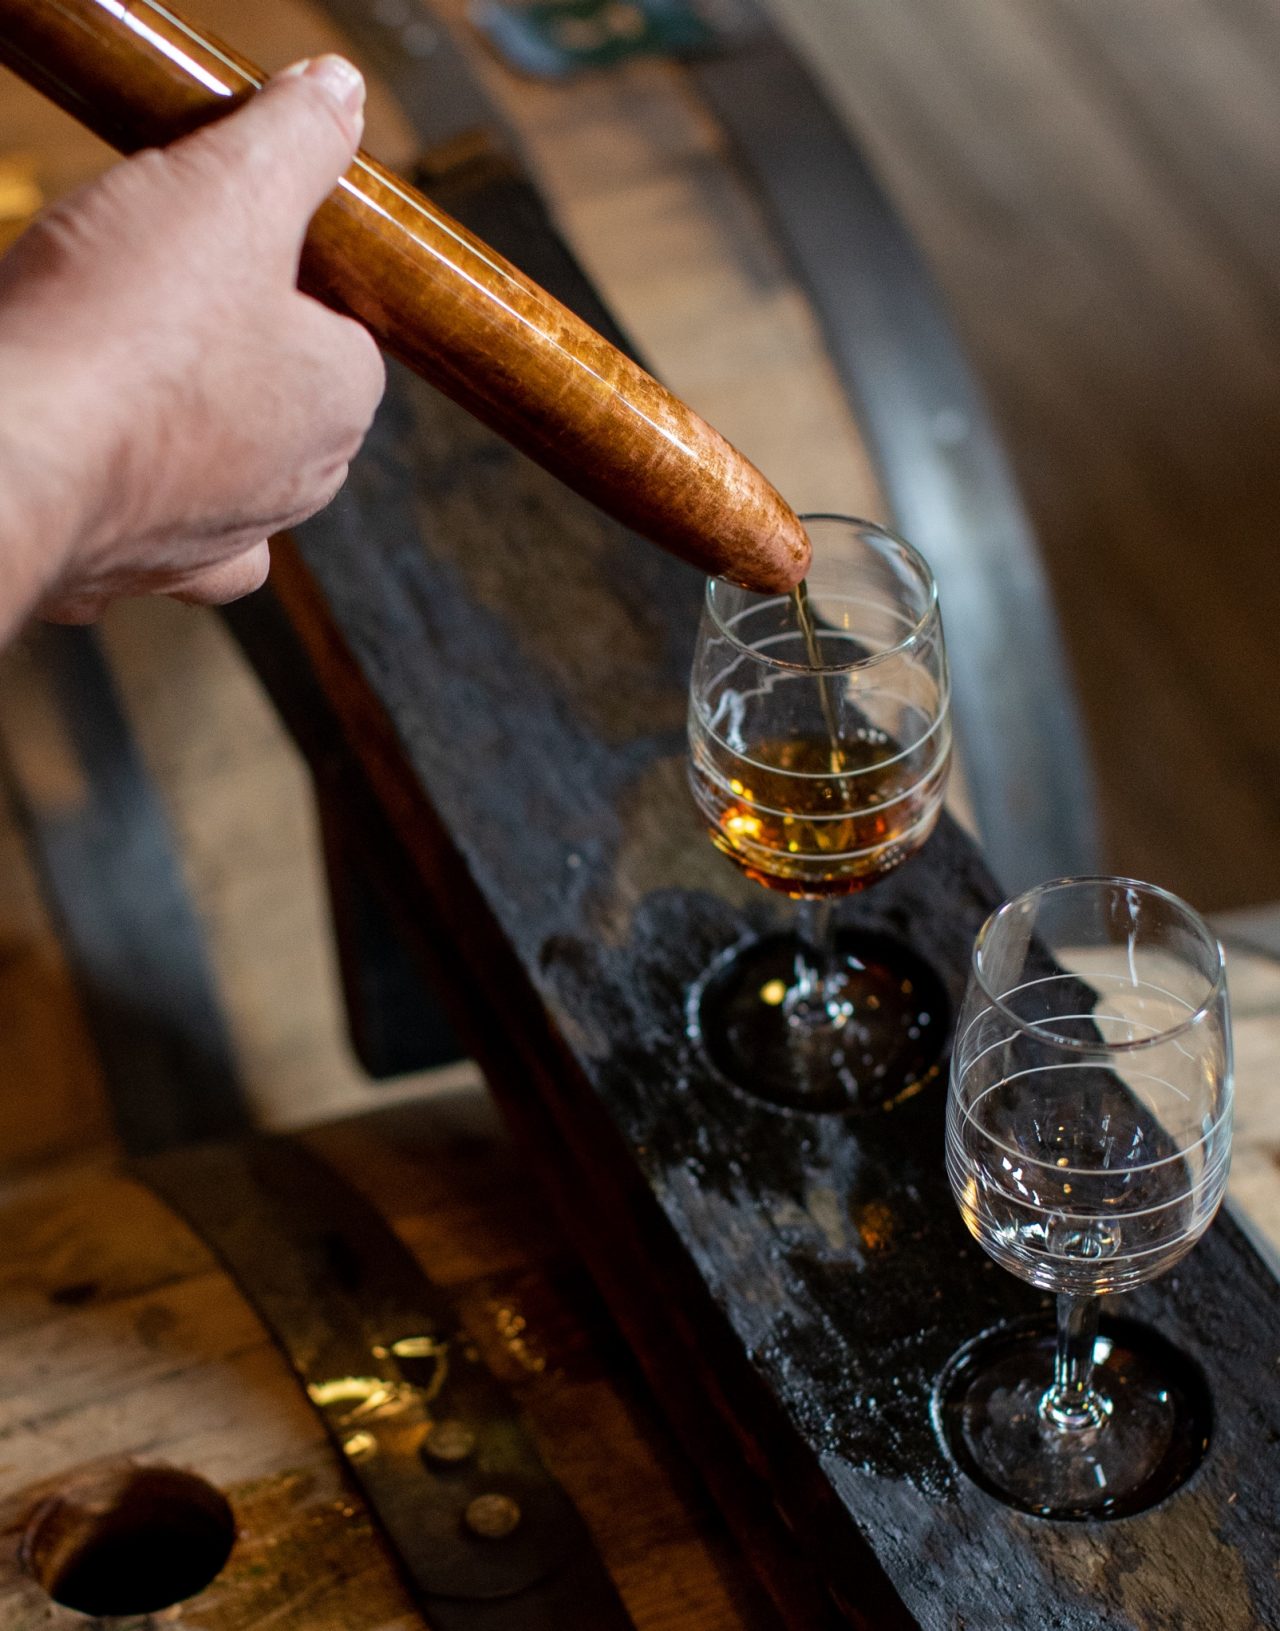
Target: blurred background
{"type": "Point", "coordinates": [1046, 342]}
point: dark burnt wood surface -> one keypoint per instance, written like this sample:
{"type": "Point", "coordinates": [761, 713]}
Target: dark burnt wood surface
{"type": "Point", "coordinates": [508, 670]}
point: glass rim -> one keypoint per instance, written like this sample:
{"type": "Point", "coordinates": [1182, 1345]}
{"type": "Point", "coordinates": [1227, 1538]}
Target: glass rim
{"type": "Point", "coordinates": [910, 639]}
{"type": "Point", "coordinates": [1044, 1033]}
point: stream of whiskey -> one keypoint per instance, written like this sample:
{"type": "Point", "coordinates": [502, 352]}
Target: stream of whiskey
{"type": "Point", "coordinates": [804, 616]}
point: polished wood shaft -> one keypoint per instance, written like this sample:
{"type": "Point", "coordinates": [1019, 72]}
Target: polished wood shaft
{"type": "Point", "coordinates": [437, 297]}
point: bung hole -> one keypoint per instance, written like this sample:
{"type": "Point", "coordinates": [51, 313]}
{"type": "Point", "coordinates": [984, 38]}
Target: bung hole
{"type": "Point", "coordinates": [126, 1539]}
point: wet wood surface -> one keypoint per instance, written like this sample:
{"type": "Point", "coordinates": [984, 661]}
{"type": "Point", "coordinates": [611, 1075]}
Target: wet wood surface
{"type": "Point", "coordinates": [809, 1278]}
{"type": "Point", "coordinates": [638, 172]}
{"type": "Point", "coordinates": [659, 848]}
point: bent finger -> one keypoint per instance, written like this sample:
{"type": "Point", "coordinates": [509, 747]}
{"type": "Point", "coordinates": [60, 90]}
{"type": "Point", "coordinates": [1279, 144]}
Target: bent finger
{"type": "Point", "coordinates": [352, 363]}
{"type": "Point", "coordinates": [227, 581]}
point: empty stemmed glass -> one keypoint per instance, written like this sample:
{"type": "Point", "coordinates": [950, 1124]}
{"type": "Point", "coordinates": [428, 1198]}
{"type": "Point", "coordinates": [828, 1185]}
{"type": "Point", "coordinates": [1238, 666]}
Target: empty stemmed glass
{"type": "Point", "coordinates": [1088, 1141]}
{"type": "Point", "coordinates": [820, 737]}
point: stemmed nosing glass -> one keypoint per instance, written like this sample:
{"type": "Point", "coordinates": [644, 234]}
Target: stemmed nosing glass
{"type": "Point", "coordinates": [1088, 1141]}
{"type": "Point", "coordinates": [820, 741]}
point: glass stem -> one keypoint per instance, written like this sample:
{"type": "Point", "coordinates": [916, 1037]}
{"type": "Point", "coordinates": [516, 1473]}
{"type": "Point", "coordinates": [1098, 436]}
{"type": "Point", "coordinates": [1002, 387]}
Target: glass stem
{"type": "Point", "coordinates": [814, 998]}
{"type": "Point", "coordinates": [1072, 1403]}
{"type": "Point", "coordinates": [815, 948]}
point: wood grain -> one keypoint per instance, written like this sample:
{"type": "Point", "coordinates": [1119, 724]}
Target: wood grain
{"type": "Point", "coordinates": [1095, 187]}
{"type": "Point", "coordinates": [637, 177]}
{"type": "Point", "coordinates": [1083, 1566]}
{"type": "Point", "coordinates": [121, 1337]}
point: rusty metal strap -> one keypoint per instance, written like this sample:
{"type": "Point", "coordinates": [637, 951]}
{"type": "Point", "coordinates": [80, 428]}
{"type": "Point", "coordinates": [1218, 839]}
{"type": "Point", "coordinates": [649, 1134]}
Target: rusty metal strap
{"type": "Point", "coordinates": [486, 1537]}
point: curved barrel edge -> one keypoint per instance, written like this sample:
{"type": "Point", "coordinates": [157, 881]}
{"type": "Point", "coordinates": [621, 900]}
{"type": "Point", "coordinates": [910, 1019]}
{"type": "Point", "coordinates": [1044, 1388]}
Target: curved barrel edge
{"type": "Point", "coordinates": [936, 452]}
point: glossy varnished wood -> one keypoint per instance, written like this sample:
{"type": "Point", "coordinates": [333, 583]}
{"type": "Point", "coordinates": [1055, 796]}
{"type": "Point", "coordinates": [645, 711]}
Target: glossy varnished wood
{"type": "Point", "coordinates": [438, 298]}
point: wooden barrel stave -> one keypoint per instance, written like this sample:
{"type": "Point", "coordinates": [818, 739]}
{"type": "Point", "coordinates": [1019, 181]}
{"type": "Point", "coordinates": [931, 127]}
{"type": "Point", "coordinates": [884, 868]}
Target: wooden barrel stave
{"type": "Point", "coordinates": [121, 1337]}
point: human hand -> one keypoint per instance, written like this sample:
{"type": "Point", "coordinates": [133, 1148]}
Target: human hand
{"type": "Point", "coordinates": [168, 398]}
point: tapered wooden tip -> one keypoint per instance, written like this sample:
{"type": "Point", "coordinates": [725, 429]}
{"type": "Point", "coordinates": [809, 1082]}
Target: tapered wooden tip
{"type": "Point", "coordinates": [771, 553]}
{"type": "Point", "coordinates": [440, 300]}
{"type": "Point", "coordinates": [723, 516]}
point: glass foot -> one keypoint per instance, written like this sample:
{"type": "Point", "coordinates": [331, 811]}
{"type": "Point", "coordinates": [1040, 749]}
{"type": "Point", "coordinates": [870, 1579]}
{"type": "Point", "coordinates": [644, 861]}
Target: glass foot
{"type": "Point", "coordinates": [869, 1036]}
{"type": "Point", "coordinates": [1151, 1434]}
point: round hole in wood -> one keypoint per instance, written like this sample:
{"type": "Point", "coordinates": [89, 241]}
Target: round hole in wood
{"type": "Point", "coordinates": [128, 1539]}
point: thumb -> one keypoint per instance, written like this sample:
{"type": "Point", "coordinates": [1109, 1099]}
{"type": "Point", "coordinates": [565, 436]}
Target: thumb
{"type": "Point", "coordinates": [292, 141]}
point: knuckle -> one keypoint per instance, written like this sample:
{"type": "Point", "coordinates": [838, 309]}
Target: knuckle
{"type": "Point", "coordinates": [119, 213]}
{"type": "Point", "coordinates": [60, 238]}
{"type": "Point", "coordinates": [332, 481]}
{"type": "Point", "coordinates": [207, 180]}
{"type": "Point", "coordinates": [150, 166]}
{"type": "Point", "coordinates": [229, 580]}
{"type": "Point", "coordinates": [323, 488]}
{"type": "Point", "coordinates": [164, 185]}
{"type": "Point", "coordinates": [375, 377]}
{"type": "Point", "coordinates": [205, 159]}
{"type": "Point", "coordinates": [350, 371]}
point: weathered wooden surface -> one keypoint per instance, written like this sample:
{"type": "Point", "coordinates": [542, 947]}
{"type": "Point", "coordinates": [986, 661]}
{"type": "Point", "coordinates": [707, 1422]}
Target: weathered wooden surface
{"type": "Point", "coordinates": [639, 173]}
{"type": "Point", "coordinates": [110, 871]}
{"type": "Point", "coordinates": [1253, 981]}
{"type": "Point", "coordinates": [120, 1336]}
{"type": "Point", "coordinates": [516, 696]}
{"type": "Point", "coordinates": [636, 174]}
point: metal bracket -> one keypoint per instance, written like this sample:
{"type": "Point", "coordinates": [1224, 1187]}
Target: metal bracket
{"type": "Point", "coordinates": [427, 1434]}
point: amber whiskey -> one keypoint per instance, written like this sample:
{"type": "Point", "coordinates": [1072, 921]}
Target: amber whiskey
{"type": "Point", "coordinates": [796, 824]}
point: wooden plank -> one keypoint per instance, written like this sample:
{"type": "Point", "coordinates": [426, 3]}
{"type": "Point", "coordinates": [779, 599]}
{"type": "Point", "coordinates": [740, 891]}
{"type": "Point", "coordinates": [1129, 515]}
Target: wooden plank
{"type": "Point", "coordinates": [229, 779]}
{"type": "Point", "coordinates": [528, 751]}
{"type": "Point", "coordinates": [394, 1026]}
{"type": "Point", "coordinates": [639, 181]}
{"type": "Point", "coordinates": [479, 1221]}
{"type": "Point", "coordinates": [341, 1296]}
{"type": "Point", "coordinates": [243, 807]}
{"type": "Point", "coordinates": [1254, 985]}
{"type": "Point", "coordinates": [645, 834]}
{"type": "Point", "coordinates": [1194, 88]}
{"type": "Point", "coordinates": [52, 1101]}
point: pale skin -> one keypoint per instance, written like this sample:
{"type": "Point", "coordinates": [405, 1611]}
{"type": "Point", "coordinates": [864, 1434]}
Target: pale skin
{"type": "Point", "coordinates": [168, 398]}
